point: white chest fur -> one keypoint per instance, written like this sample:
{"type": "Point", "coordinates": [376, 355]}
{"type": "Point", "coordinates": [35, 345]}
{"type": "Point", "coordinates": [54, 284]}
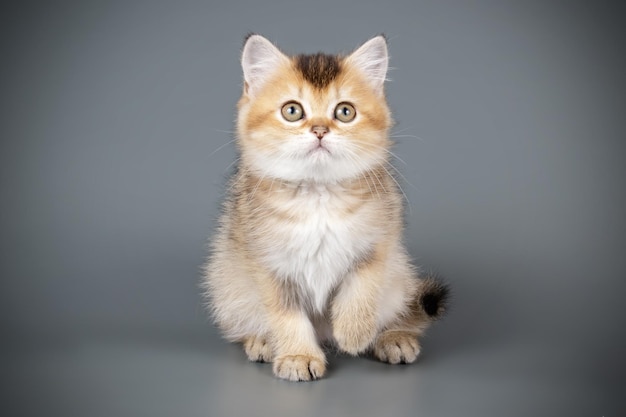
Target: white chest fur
{"type": "Point", "coordinates": [318, 250]}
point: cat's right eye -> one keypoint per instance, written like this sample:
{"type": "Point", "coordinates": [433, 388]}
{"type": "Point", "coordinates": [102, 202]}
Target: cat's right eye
{"type": "Point", "coordinates": [292, 111]}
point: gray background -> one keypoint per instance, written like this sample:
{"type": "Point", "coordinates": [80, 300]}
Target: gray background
{"type": "Point", "coordinates": [510, 120]}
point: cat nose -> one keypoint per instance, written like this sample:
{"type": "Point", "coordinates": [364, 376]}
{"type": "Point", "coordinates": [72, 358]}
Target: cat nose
{"type": "Point", "coordinates": [319, 131]}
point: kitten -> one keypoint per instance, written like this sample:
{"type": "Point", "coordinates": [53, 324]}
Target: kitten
{"type": "Point", "coordinates": [309, 247]}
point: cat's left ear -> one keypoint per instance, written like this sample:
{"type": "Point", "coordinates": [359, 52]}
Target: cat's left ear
{"type": "Point", "coordinates": [259, 60]}
{"type": "Point", "coordinates": [373, 60]}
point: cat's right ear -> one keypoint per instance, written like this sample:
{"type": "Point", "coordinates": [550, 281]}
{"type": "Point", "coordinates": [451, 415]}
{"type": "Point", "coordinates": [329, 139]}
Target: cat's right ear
{"type": "Point", "coordinates": [259, 60]}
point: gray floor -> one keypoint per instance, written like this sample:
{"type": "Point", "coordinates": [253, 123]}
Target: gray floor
{"type": "Point", "coordinates": [115, 130]}
{"type": "Point", "coordinates": [185, 374]}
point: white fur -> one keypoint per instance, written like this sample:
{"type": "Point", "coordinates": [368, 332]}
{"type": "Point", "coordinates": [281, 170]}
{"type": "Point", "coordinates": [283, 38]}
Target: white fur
{"type": "Point", "coordinates": [318, 252]}
{"type": "Point", "coordinates": [292, 160]}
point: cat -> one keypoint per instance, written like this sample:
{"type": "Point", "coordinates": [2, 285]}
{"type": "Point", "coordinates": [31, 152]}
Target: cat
{"type": "Point", "coordinates": [308, 251]}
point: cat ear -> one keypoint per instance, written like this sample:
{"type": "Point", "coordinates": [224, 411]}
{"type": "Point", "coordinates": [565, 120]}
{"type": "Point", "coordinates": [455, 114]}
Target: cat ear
{"type": "Point", "coordinates": [372, 59]}
{"type": "Point", "coordinates": [259, 60]}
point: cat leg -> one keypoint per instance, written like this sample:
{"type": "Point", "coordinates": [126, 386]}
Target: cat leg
{"type": "Point", "coordinates": [297, 355]}
{"type": "Point", "coordinates": [398, 342]}
{"type": "Point", "coordinates": [236, 305]}
{"type": "Point", "coordinates": [354, 307]}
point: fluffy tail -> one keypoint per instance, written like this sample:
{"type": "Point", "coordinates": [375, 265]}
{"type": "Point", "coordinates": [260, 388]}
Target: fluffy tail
{"type": "Point", "coordinates": [429, 303]}
{"type": "Point", "coordinates": [433, 297]}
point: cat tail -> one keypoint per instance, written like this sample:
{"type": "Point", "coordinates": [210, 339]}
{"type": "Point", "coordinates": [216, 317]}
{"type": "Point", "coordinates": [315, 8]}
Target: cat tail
{"type": "Point", "coordinates": [429, 303]}
{"type": "Point", "coordinates": [433, 296]}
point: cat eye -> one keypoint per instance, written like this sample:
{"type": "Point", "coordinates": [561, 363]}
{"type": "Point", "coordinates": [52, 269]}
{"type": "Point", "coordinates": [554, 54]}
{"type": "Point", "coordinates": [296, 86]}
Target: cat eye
{"type": "Point", "coordinates": [292, 111]}
{"type": "Point", "coordinates": [345, 112]}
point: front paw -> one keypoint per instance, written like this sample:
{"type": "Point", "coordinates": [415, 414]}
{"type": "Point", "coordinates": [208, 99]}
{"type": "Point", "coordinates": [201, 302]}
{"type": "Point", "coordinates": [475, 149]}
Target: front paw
{"type": "Point", "coordinates": [355, 337]}
{"type": "Point", "coordinates": [397, 346]}
{"type": "Point", "coordinates": [299, 367]}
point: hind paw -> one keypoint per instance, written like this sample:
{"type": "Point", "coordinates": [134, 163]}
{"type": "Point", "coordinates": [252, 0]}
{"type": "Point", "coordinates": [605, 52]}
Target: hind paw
{"type": "Point", "coordinates": [397, 346]}
{"type": "Point", "coordinates": [258, 349]}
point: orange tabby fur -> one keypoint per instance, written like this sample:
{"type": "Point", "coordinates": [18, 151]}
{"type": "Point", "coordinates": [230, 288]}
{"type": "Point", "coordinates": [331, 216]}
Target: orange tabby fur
{"type": "Point", "coordinates": [309, 247]}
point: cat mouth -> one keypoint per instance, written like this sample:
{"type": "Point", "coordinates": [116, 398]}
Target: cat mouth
{"type": "Point", "coordinates": [319, 150]}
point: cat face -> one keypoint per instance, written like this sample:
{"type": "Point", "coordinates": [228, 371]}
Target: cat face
{"type": "Point", "coordinates": [318, 118]}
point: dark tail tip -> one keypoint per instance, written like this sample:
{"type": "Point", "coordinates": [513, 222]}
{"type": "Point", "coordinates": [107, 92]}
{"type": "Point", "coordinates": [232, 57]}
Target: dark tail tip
{"type": "Point", "coordinates": [435, 297]}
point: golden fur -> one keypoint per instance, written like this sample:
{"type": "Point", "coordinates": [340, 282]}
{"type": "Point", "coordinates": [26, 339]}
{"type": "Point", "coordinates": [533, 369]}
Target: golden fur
{"type": "Point", "coordinates": [309, 247]}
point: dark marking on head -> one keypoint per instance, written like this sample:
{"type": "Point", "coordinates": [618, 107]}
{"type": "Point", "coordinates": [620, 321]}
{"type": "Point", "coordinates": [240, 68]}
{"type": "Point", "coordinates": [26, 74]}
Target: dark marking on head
{"type": "Point", "coordinates": [318, 69]}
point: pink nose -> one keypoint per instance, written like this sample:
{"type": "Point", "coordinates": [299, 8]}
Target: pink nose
{"type": "Point", "coordinates": [319, 131]}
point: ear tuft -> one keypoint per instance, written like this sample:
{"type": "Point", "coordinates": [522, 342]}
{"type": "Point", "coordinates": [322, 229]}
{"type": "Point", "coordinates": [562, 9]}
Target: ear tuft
{"type": "Point", "coordinates": [373, 60]}
{"type": "Point", "coordinates": [259, 59]}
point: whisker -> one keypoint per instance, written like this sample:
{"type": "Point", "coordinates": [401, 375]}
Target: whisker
{"type": "Point", "coordinates": [383, 149]}
{"type": "Point", "coordinates": [389, 174]}
{"type": "Point", "coordinates": [231, 164]}
{"type": "Point", "coordinates": [401, 190]}
{"type": "Point", "coordinates": [406, 136]}
{"type": "Point", "coordinates": [278, 159]}
{"type": "Point", "coordinates": [221, 147]}
{"type": "Point", "coordinates": [367, 151]}
{"type": "Point", "coordinates": [352, 156]}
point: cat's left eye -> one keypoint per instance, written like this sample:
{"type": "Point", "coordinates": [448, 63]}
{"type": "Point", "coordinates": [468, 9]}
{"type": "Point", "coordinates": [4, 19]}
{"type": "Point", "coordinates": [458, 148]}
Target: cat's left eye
{"type": "Point", "coordinates": [345, 112]}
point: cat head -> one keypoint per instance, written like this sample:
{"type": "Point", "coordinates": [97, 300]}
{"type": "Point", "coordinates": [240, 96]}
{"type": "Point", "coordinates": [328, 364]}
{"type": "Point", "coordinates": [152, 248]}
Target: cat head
{"type": "Point", "coordinates": [319, 117]}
